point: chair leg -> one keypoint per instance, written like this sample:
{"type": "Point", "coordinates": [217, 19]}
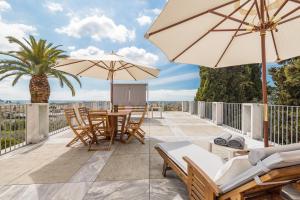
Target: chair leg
{"type": "Point", "coordinates": [73, 141]}
{"type": "Point", "coordinates": [165, 168]}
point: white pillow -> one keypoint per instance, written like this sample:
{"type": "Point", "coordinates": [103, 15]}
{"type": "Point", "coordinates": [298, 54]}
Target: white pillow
{"type": "Point", "coordinates": [231, 169]}
{"type": "Point", "coordinates": [256, 155]}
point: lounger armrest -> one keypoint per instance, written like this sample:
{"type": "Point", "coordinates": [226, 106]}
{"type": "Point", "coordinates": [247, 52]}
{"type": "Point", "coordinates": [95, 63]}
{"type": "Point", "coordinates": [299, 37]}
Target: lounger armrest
{"type": "Point", "coordinates": [199, 183]}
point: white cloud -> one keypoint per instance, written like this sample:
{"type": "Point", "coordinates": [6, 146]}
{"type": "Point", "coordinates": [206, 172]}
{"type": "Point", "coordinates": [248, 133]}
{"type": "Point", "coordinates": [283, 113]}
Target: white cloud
{"type": "Point", "coordinates": [97, 27]}
{"type": "Point", "coordinates": [71, 48]}
{"type": "Point", "coordinates": [173, 79]}
{"type": "Point", "coordinates": [138, 55]}
{"type": "Point", "coordinates": [173, 69]}
{"type": "Point", "coordinates": [17, 30]}
{"type": "Point", "coordinates": [90, 51]}
{"type": "Point", "coordinates": [156, 11]}
{"type": "Point", "coordinates": [54, 7]}
{"type": "Point", "coordinates": [4, 6]}
{"type": "Point", "coordinates": [144, 20]}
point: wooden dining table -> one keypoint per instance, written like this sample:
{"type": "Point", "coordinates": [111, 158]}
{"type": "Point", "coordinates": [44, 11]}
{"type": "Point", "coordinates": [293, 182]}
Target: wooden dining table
{"type": "Point", "coordinates": [114, 117]}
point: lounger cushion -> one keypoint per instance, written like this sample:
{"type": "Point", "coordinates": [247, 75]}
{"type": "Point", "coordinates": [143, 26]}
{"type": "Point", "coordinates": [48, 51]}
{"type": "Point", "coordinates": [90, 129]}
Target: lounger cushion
{"type": "Point", "coordinates": [256, 155]}
{"type": "Point", "coordinates": [231, 169]}
{"type": "Point", "coordinates": [208, 162]}
{"type": "Point", "coordinates": [277, 160]}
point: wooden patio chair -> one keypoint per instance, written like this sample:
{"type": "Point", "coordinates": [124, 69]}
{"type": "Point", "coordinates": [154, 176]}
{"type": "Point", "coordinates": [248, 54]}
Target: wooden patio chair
{"type": "Point", "coordinates": [100, 125]}
{"type": "Point", "coordinates": [201, 186]}
{"type": "Point", "coordinates": [82, 132]}
{"type": "Point", "coordinates": [83, 113]}
{"type": "Point", "coordinates": [133, 127]}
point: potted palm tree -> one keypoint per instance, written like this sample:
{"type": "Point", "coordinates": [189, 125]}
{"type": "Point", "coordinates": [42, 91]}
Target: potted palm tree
{"type": "Point", "coordinates": [35, 58]}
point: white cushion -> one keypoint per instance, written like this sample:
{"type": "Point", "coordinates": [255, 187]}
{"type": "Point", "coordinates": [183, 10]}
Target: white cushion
{"type": "Point", "coordinates": [277, 160]}
{"type": "Point", "coordinates": [256, 155]}
{"type": "Point", "coordinates": [232, 169]}
{"type": "Point", "coordinates": [207, 161]}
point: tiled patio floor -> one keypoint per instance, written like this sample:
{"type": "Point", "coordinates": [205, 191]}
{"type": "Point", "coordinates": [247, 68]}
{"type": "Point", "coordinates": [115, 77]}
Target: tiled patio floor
{"type": "Point", "coordinates": [132, 171]}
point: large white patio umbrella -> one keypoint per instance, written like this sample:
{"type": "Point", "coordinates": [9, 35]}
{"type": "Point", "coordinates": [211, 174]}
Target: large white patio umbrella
{"type": "Point", "coordinates": [107, 67]}
{"type": "Point", "coordinates": [216, 33]}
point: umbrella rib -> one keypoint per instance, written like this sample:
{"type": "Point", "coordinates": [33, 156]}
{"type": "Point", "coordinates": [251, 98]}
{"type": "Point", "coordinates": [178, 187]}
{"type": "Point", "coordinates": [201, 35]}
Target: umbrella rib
{"type": "Point", "coordinates": [257, 10]}
{"type": "Point", "coordinates": [188, 19]}
{"type": "Point", "coordinates": [70, 63]}
{"type": "Point", "coordinates": [233, 19]}
{"type": "Point", "coordinates": [232, 38]}
{"type": "Point", "coordinates": [122, 66]}
{"type": "Point", "coordinates": [130, 74]}
{"type": "Point", "coordinates": [106, 67]}
{"type": "Point", "coordinates": [223, 20]}
{"type": "Point", "coordinates": [224, 30]}
{"type": "Point", "coordinates": [289, 13]}
{"type": "Point", "coordinates": [295, 1]}
{"type": "Point", "coordinates": [288, 20]}
{"type": "Point", "coordinates": [238, 35]}
{"type": "Point", "coordinates": [279, 9]}
{"type": "Point", "coordinates": [86, 69]}
{"type": "Point", "coordinates": [97, 64]}
{"type": "Point", "coordinates": [145, 71]}
{"type": "Point", "coordinates": [272, 32]}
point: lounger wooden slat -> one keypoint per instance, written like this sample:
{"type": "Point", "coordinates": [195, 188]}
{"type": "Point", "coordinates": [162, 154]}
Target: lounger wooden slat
{"type": "Point", "coordinates": [272, 180]}
{"type": "Point", "coordinates": [201, 186]}
{"type": "Point", "coordinates": [169, 163]}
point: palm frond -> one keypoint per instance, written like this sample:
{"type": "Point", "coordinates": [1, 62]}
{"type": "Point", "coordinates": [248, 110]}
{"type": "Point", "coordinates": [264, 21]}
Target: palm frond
{"type": "Point", "coordinates": [17, 78]}
{"type": "Point", "coordinates": [73, 76]}
{"type": "Point", "coordinates": [16, 41]}
{"type": "Point", "coordinates": [69, 84]}
{"type": "Point", "coordinates": [8, 75]}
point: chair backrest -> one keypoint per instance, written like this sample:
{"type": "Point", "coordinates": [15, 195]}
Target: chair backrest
{"type": "Point", "coordinates": [100, 120]}
{"type": "Point", "coordinates": [71, 118]}
{"type": "Point", "coordinates": [83, 112]}
{"type": "Point", "coordinates": [143, 114]}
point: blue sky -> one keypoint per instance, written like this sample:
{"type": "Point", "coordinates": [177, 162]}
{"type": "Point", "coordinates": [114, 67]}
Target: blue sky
{"type": "Point", "coordinates": [90, 28]}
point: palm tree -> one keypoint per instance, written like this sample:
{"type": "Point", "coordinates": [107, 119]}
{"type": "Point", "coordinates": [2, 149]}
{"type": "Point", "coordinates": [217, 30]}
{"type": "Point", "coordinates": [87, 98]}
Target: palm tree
{"type": "Point", "coordinates": [36, 59]}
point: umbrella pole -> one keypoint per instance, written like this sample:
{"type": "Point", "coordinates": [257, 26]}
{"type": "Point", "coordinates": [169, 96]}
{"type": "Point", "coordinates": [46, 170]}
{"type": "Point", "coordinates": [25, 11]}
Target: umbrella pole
{"type": "Point", "coordinates": [264, 74]}
{"type": "Point", "coordinates": [112, 91]}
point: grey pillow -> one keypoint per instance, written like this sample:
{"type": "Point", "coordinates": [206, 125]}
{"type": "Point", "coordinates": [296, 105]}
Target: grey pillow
{"type": "Point", "coordinates": [256, 155]}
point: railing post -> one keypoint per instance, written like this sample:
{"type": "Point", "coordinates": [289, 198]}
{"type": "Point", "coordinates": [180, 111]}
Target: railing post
{"type": "Point", "coordinates": [252, 120]}
{"type": "Point", "coordinates": [201, 109]}
{"type": "Point", "coordinates": [217, 113]}
{"type": "Point", "coordinates": [37, 122]}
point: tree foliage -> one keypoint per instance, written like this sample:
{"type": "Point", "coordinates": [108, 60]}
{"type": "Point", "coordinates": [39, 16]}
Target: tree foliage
{"type": "Point", "coordinates": [231, 84]}
{"type": "Point", "coordinates": [287, 81]}
{"type": "Point", "coordinates": [35, 58]}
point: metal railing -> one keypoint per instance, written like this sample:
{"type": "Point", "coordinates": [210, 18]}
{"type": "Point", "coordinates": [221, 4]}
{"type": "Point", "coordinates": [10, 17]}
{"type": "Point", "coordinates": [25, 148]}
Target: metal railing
{"type": "Point", "coordinates": [232, 116]}
{"type": "Point", "coordinates": [167, 105]}
{"type": "Point", "coordinates": [57, 120]}
{"type": "Point", "coordinates": [208, 110]}
{"type": "Point", "coordinates": [96, 105]}
{"type": "Point", "coordinates": [12, 127]}
{"type": "Point", "coordinates": [284, 124]}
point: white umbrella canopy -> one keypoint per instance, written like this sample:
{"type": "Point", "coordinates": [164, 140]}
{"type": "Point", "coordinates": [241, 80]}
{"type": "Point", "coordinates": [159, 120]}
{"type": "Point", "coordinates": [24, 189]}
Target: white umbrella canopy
{"type": "Point", "coordinates": [216, 33]}
{"type": "Point", "coordinates": [201, 31]}
{"type": "Point", "coordinates": [107, 67]}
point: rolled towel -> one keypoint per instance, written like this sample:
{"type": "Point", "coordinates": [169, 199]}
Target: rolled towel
{"type": "Point", "coordinates": [236, 142]}
{"type": "Point", "coordinates": [222, 139]}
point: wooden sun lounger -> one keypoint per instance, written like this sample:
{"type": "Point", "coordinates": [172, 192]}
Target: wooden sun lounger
{"type": "Point", "coordinates": [201, 187]}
